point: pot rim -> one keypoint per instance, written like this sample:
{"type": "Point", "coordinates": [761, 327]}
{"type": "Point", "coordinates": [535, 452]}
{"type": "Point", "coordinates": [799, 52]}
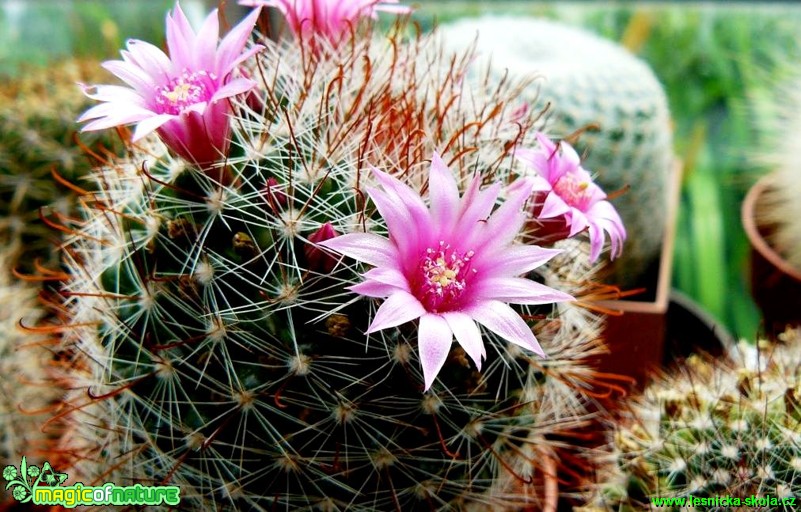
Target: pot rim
{"type": "Point", "coordinates": [749, 222]}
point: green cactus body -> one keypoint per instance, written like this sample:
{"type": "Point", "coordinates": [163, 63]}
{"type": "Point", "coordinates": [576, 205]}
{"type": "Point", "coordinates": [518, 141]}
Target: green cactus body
{"type": "Point", "coordinates": [212, 350]}
{"type": "Point", "coordinates": [714, 429]}
{"type": "Point", "coordinates": [585, 81]}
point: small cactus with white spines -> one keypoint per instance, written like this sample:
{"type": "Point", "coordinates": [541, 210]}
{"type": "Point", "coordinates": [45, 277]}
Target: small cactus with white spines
{"type": "Point", "coordinates": [587, 81]}
{"type": "Point", "coordinates": [214, 343]}
{"type": "Point", "coordinates": [725, 428]}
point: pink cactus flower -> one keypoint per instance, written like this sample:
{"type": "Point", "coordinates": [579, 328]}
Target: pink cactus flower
{"type": "Point", "coordinates": [566, 200]}
{"type": "Point", "coordinates": [331, 20]}
{"type": "Point", "coordinates": [450, 265]}
{"type": "Point", "coordinates": [182, 97]}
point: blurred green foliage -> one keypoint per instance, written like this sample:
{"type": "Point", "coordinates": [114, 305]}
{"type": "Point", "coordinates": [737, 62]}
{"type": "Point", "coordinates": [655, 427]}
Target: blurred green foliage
{"type": "Point", "coordinates": [38, 31]}
{"type": "Point", "coordinates": [718, 63]}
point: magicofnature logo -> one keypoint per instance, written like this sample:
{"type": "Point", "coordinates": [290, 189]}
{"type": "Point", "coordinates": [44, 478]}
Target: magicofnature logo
{"type": "Point", "coordinates": [43, 486]}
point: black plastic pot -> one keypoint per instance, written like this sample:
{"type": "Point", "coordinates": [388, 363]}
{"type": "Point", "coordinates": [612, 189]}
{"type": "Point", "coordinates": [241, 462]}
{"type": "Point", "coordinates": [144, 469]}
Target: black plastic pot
{"type": "Point", "coordinates": [691, 329]}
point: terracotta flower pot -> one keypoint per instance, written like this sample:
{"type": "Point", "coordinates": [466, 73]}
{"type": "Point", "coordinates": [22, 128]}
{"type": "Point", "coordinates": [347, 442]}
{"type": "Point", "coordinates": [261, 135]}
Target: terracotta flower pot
{"type": "Point", "coordinates": [635, 335]}
{"type": "Point", "coordinates": [775, 283]}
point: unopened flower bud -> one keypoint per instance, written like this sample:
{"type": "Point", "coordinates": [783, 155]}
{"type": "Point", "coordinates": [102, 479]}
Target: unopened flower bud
{"type": "Point", "coordinates": [275, 198]}
{"type": "Point", "coordinates": [318, 260]}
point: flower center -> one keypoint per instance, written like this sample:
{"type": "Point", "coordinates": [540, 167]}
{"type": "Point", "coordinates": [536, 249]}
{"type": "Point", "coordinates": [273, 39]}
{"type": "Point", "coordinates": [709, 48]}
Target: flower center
{"type": "Point", "coordinates": [574, 190]}
{"type": "Point", "coordinates": [183, 92]}
{"type": "Point", "coordinates": [442, 277]}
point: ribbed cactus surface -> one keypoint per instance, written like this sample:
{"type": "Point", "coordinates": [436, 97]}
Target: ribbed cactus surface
{"type": "Point", "coordinates": [212, 345]}
{"type": "Point", "coordinates": [587, 81]}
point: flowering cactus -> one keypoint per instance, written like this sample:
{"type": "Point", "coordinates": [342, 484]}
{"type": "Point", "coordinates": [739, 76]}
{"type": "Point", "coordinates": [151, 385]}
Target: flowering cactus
{"type": "Point", "coordinates": [567, 201]}
{"type": "Point", "coordinates": [229, 336]}
{"type": "Point", "coordinates": [184, 96]}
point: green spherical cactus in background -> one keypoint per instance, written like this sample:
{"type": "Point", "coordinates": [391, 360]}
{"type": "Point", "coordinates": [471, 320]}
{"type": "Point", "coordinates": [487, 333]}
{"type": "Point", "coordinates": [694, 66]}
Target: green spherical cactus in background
{"type": "Point", "coordinates": [214, 346]}
{"type": "Point", "coordinates": [715, 428]}
{"type": "Point", "coordinates": [37, 136]}
{"type": "Point", "coordinates": [587, 81]}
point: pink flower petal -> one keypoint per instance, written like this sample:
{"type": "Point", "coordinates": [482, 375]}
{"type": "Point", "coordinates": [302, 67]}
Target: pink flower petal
{"type": "Point", "coordinates": [554, 206]}
{"type": "Point", "coordinates": [366, 247]}
{"type": "Point", "coordinates": [434, 341]}
{"type": "Point", "coordinates": [518, 291]}
{"type": "Point", "coordinates": [115, 94]}
{"type": "Point", "coordinates": [476, 207]}
{"type": "Point", "coordinates": [180, 38]}
{"type": "Point", "coordinates": [607, 219]}
{"type": "Point", "coordinates": [132, 75]}
{"type": "Point", "coordinates": [113, 112]}
{"type": "Point", "coordinates": [114, 117]}
{"type": "Point", "coordinates": [204, 52]}
{"type": "Point", "coordinates": [534, 183]}
{"type": "Point", "coordinates": [388, 275]}
{"type": "Point", "coordinates": [560, 158]}
{"type": "Point", "coordinates": [151, 59]}
{"type": "Point", "coordinates": [513, 260]}
{"type": "Point", "coordinates": [596, 241]}
{"type": "Point", "coordinates": [399, 308]}
{"type": "Point", "coordinates": [605, 210]}
{"type": "Point", "coordinates": [146, 126]}
{"type": "Point", "coordinates": [503, 226]}
{"type": "Point", "coordinates": [228, 53]}
{"type": "Point", "coordinates": [578, 222]}
{"type": "Point", "coordinates": [504, 321]}
{"type": "Point", "coordinates": [536, 159]}
{"type": "Point", "coordinates": [232, 88]}
{"type": "Point", "coordinates": [404, 198]}
{"type": "Point", "coordinates": [373, 289]}
{"type": "Point", "coordinates": [467, 334]}
{"type": "Point", "coordinates": [444, 196]}
{"type": "Point", "coordinates": [404, 225]}
{"type": "Point", "coordinates": [567, 161]}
